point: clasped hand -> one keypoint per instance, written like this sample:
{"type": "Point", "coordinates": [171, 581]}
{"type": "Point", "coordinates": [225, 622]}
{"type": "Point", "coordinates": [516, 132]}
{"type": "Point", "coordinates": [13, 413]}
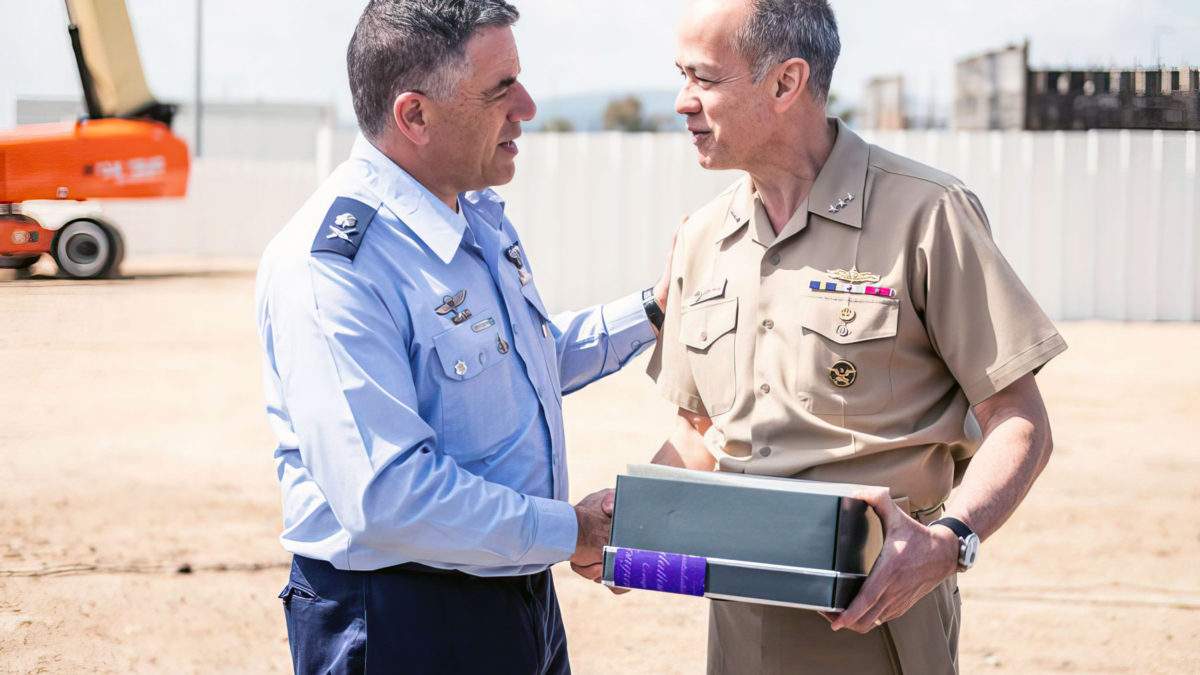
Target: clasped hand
{"type": "Point", "coordinates": [913, 561]}
{"type": "Point", "coordinates": [594, 515]}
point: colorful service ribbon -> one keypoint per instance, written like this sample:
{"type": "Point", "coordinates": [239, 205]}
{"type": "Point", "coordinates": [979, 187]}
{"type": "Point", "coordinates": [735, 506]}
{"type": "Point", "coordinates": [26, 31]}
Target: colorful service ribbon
{"type": "Point", "coordinates": [832, 287]}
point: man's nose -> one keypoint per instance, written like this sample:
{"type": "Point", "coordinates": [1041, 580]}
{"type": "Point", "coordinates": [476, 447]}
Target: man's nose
{"type": "Point", "coordinates": [686, 103]}
{"type": "Point", "coordinates": [524, 109]}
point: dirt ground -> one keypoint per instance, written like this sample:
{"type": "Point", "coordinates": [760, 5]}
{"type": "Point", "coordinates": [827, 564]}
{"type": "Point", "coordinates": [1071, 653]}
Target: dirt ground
{"type": "Point", "coordinates": [139, 507]}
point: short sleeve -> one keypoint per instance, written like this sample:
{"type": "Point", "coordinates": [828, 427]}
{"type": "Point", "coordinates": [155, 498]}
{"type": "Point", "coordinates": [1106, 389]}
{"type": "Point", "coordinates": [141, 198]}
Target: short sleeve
{"type": "Point", "coordinates": [669, 365]}
{"type": "Point", "coordinates": [981, 320]}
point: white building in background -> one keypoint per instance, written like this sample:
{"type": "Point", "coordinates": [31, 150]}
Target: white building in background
{"type": "Point", "coordinates": [989, 89]}
{"type": "Point", "coordinates": [882, 104]}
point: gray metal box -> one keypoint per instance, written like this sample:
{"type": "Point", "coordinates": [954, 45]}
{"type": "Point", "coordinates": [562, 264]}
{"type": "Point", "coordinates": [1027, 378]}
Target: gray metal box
{"type": "Point", "coordinates": [737, 537]}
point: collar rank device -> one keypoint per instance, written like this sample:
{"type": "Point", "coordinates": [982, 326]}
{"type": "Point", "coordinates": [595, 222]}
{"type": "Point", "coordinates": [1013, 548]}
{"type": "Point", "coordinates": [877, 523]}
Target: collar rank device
{"type": "Point", "coordinates": [513, 255]}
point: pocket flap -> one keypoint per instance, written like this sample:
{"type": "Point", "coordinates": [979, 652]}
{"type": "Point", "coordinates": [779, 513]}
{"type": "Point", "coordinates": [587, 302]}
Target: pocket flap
{"type": "Point", "coordinates": [872, 319]}
{"type": "Point", "coordinates": [464, 353]}
{"type": "Point", "coordinates": [702, 326]}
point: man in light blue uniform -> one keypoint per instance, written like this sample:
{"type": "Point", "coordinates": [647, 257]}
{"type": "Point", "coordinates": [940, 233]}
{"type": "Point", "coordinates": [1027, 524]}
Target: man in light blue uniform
{"type": "Point", "coordinates": [414, 378]}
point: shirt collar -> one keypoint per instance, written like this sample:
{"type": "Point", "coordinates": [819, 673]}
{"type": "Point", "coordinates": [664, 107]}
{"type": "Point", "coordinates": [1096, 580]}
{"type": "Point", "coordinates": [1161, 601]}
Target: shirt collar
{"type": "Point", "coordinates": [741, 207]}
{"type": "Point", "coordinates": [842, 179]}
{"type": "Point", "coordinates": [838, 193]}
{"type": "Point", "coordinates": [435, 223]}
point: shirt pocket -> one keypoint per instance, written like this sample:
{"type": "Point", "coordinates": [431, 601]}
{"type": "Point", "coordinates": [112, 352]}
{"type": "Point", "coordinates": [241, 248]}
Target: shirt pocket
{"type": "Point", "coordinates": [478, 394]}
{"type": "Point", "coordinates": [709, 332]}
{"type": "Point", "coordinates": [844, 367]}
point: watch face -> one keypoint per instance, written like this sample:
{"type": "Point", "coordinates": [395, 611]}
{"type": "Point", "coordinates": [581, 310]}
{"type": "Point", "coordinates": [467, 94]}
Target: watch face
{"type": "Point", "coordinates": [969, 551]}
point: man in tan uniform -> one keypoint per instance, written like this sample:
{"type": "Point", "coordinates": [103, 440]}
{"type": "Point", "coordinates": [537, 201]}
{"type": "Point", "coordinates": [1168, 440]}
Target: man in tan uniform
{"type": "Point", "coordinates": [835, 316]}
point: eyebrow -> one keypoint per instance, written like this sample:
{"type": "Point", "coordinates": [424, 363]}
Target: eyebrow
{"type": "Point", "coordinates": [504, 84]}
{"type": "Point", "coordinates": [693, 67]}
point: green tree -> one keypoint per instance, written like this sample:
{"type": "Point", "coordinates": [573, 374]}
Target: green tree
{"type": "Point", "coordinates": [625, 114]}
{"type": "Point", "coordinates": [558, 125]}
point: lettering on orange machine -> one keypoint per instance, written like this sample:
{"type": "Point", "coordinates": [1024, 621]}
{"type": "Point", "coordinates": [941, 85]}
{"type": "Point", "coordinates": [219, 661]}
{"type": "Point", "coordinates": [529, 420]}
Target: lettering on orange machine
{"type": "Point", "coordinates": [135, 170]}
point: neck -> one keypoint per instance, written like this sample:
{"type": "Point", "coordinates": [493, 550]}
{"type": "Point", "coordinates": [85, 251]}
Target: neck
{"type": "Point", "coordinates": [785, 179]}
{"type": "Point", "coordinates": [408, 157]}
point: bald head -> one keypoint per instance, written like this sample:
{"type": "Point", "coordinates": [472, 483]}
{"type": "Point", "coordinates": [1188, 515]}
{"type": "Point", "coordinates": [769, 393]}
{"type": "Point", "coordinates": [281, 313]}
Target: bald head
{"type": "Point", "coordinates": [765, 33]}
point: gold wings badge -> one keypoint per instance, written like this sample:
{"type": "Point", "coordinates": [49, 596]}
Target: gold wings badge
{"type": "Point", "coordinates": [853, 276]}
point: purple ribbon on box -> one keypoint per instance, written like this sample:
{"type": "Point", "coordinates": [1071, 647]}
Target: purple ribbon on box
{"type": "Point", "coordinates": [658, 571]}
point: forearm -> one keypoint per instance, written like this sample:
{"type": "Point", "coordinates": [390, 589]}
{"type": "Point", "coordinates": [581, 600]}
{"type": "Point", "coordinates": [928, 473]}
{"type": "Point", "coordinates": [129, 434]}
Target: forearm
{"type": "Point", "coordinates": [685, 446]}
{"type": "Point", "coordinates": [1016, 448]}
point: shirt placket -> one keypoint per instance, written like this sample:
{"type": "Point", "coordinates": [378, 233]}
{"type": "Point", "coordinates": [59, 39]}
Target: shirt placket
{"type": "Point", "coordinates": [771, 356]}
{"type": "Point", "coordinates": [525, 338]}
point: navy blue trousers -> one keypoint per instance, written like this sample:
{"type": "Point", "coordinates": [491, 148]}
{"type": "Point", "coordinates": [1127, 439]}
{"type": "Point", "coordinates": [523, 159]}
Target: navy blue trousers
{"type": "Point", "coordinates": [412, 619]}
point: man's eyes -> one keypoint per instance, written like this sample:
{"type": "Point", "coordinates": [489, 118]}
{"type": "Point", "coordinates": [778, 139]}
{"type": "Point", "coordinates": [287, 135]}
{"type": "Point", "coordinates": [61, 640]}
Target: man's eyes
{"type": "Point", "coordinates": [695, 77]}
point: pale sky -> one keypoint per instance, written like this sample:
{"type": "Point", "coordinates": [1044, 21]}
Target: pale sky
{"type": "Point", "coordinates": [294, 50]}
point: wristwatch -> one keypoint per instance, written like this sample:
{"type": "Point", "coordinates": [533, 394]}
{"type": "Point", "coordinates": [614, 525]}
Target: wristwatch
{"type": "Point", "coordinates": [653, 312]}
{"type": "Point", "coordinates": [968, 541]}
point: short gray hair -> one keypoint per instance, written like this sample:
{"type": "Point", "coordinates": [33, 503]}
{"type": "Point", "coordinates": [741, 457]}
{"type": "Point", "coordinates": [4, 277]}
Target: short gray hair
{"type": "Point", "coordinates": [414, 45]}
{"type": "Point", "coordinates": [778, 30]}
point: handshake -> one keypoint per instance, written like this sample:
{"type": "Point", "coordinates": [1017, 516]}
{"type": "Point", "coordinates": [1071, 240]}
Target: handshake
{"type": "Point", "coordinates": [594, 515]}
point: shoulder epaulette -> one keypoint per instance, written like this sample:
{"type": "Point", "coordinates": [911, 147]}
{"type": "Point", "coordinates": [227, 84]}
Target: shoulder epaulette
{"type": "Point", "coordinates": [342, 230]}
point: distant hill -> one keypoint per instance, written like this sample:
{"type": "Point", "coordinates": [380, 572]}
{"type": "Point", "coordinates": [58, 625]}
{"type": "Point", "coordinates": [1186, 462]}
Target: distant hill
{"type": "Point", "coordinates": [585, 112]}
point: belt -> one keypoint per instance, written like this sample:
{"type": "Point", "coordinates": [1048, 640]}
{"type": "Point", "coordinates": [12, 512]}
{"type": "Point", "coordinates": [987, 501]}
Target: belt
{"type": "Point", "coordinates": [412, 567]}
{"type": "Point", "coordinates": [423, 569]}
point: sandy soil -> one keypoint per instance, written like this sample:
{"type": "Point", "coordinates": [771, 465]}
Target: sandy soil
{"type": "Point", "coordinates": [133, 445]}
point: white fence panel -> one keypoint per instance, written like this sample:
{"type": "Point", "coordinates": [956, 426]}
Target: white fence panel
{"type": "Point", "coordinates": [596, 211]}
{"type": "Point", "coordinates": [233, 208]}
{"type": "Point", "coordinates": [1098, 224]}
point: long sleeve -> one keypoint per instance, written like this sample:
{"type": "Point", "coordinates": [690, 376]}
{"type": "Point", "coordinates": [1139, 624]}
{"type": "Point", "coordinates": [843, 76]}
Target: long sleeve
{"type": "Point", "coordinates": [340, 377]}
{"type": "Point", "coordinates": [600, 340]}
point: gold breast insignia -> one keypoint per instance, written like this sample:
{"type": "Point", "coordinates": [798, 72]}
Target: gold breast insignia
{"type": "Point", "coordinates": [853, 276]}
{"type": "Point", "coordinates": [843, 374]}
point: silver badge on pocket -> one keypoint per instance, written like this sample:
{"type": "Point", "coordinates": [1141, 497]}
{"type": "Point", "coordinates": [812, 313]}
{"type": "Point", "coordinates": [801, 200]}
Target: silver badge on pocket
{"type": "Point", "coordinates": [452, 305]}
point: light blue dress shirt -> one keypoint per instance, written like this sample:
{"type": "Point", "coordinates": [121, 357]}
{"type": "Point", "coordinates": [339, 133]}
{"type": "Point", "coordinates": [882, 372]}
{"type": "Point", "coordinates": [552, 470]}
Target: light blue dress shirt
{"type": "Point", "coordinates": [404, 436]}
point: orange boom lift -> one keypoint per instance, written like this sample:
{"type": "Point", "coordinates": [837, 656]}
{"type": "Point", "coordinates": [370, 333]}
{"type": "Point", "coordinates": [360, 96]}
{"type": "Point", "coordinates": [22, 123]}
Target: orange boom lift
{"type": "Point", "coordinates": [123, 149]}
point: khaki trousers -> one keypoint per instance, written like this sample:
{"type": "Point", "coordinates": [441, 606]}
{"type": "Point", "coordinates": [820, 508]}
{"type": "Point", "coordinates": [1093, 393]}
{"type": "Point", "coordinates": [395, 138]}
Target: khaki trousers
{"type": "Point", "coordinates": [747, 639]}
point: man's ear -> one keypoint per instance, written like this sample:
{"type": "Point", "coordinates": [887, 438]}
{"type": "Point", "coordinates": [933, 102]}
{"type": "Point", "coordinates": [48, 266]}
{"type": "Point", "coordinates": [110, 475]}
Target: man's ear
{"type": "Point", "coordinates": [410, 113]}
{"type": "Point", "coordinates": [790, 82]}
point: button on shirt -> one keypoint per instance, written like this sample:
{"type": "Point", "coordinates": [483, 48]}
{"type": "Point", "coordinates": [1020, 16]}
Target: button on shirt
{"type": "Point", "coordinates": [415, 387]}
{"type": "Point", "coordinates": [848, 386]}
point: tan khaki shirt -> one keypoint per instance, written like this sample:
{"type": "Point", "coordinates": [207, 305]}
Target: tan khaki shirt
{"type": "Point", "coordinates": [748, 342]}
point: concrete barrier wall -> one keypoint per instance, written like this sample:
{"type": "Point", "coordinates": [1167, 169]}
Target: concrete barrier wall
{"type": "Point", "coordinates": [1098, 224]}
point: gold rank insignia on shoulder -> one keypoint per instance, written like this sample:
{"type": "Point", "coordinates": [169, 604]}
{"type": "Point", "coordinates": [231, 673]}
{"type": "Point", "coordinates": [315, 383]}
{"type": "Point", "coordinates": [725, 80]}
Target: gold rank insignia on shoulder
{"type": "Point", "coordinates": [853, 276]}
